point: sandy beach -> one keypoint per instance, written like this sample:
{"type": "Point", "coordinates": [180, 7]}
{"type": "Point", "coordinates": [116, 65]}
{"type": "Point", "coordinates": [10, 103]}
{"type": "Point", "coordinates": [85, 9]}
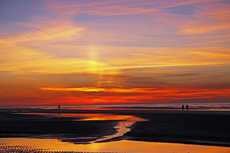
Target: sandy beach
{"type": "Point", "coordinates": [193, 127]}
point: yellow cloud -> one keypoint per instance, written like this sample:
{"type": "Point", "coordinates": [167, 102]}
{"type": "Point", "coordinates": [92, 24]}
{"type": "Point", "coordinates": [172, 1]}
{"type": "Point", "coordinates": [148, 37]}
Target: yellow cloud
{"type": "Point", "coordinates": [24, 60]}
{"type": "Point", "coordinates": [157, 57]}
{"type": "Point", "coordinates": [85, 89]}
{"type": "Point", "coordinates": [95, 89]}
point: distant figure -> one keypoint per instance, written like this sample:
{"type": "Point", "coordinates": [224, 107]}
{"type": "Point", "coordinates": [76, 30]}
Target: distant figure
{"type": "Point", "coordinates": [59, 106]}
{"type": "Point", "coordinates": [187, 107]}
{"type": "Point", "coordinates": [182, 107]}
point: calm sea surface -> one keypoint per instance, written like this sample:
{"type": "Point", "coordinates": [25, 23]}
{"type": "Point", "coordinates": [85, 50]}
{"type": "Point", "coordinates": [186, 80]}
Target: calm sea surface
{"type": "Point", "coordinates": [217, 106]}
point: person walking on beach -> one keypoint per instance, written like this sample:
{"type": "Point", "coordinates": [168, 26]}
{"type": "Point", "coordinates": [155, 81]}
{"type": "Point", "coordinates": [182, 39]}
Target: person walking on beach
{"type": "Point", "coordinates": [187, 107]}
{"type": "Point", "coordinates": [182, 107]}
{"type": "Point", "coordinates": [59, 106]}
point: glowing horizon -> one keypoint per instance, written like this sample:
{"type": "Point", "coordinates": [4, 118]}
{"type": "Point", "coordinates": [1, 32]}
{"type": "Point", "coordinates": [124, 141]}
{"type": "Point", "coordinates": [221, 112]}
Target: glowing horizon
{"type": "Point", "coordinates": [102, 52]}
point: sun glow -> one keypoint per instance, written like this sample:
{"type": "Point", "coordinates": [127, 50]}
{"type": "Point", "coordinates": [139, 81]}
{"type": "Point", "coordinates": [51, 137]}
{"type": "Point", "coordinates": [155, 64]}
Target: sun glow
{"type": "Point", "coordinates": [130, 95]}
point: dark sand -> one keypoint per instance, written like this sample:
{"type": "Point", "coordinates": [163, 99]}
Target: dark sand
{"type": "Point", "coordinates": [194, 127]}
{"type": "Point", "coordinates": [63, 128]}
{"type": "Point", "coordinates": [208, 128]}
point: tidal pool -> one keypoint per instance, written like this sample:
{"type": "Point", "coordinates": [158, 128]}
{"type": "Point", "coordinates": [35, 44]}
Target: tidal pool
{"type": "Point", "coordinates": [124, 122]}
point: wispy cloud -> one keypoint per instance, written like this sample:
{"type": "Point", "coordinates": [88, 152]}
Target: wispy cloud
{"type": "Point", "coordinates": [50, 33]}
{"type": "Point", "coordinates": [117, 7]}
{"type": "Point", "coordinates": [181, 75]}
{"type": "Point", "coordinates": [24, 60]}
{"type": "Point", "coordinates": [93, 89]}
{"type": "Point", "coordinates": [30, 60]}
{"type": "Point", "coordinates": [151, 57]}
{"type": "Point", "coordinates": [104, 8]}
{"type": "Point", "coordinates": [208, 19]}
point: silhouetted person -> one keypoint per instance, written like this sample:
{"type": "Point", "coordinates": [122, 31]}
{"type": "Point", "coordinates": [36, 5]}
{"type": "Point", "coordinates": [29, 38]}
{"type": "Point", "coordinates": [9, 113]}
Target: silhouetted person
{"type": "Point", "coordinates": [182, 107]}
{"type": "Point", "coordinates": [59, 106]}
{"type": "Point", "coordinates": [187, 107]}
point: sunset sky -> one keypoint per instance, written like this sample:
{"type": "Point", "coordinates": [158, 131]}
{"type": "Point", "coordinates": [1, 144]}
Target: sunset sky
{"type": "Point", "coordinates": [114, 51]}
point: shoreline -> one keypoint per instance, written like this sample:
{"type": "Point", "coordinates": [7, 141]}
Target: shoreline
{"type": "Point", "coordinates": [172, 126]}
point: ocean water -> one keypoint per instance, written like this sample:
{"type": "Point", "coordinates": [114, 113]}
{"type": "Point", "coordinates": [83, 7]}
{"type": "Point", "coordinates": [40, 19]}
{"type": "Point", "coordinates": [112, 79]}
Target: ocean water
{"type": "Point", "coordinates": [218, 106]}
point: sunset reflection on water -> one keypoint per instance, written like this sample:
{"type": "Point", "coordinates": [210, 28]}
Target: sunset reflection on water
{"type": "Point", "coordinates": [123, 125]}
{"type": "Point", "coordinates": [115, 146]}
{"type": "Point", "coordinates": [91, 116]}
{"type": "Point", "coordinates": [101, 117]}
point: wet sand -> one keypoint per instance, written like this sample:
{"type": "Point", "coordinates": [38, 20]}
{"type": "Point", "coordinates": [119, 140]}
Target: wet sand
{"type": "Point", "coordinates": [193, 127]}
{"type": "Point", "coordinates": [63, 128]}
{"type": "Point", "coordinates": [207, 128]}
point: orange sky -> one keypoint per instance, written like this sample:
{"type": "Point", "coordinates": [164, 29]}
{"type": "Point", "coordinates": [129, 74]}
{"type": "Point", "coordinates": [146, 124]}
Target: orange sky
{"type": "Point", "coordinates": [105, 52]}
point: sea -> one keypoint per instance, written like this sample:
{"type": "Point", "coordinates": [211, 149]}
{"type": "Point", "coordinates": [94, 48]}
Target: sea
{"type": "Point", "coordinates": [208, 106]}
